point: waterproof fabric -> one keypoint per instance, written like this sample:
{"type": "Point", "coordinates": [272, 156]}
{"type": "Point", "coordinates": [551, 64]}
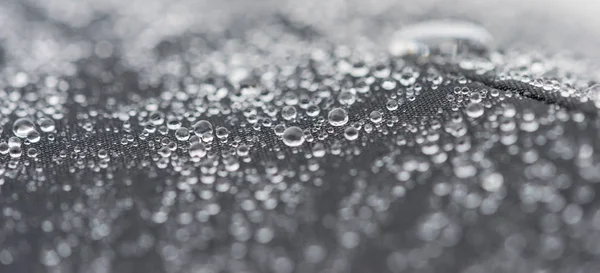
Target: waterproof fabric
{"type": "Point", "coordinates": [270, 145]}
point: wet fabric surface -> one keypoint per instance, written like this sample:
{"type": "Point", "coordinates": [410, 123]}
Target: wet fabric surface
{"type": "Point", "coordinates": [272, 147]}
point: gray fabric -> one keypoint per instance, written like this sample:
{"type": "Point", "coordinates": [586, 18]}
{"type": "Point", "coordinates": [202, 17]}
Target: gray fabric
{"type": "Point", "coordinates": [474, 170]}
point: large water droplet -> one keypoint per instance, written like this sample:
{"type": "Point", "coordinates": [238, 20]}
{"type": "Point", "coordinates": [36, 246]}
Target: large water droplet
{"type": "Point", "coordinates": [182, 134]}
{"type": "Point", "coordinates": [46, 125]}
{"type": "Point", "coordinates": [337, 117]}
{"type": "Point", "coordinates": [201, 127]}
{"type": "Point", "coordinates": [293, 136]}
{"type": "Point", "coordinates": [22, 127]}
{"type": "Point", "coordinates": [440, 35]}
{"type": "Point", "coordinates": [288, 112]}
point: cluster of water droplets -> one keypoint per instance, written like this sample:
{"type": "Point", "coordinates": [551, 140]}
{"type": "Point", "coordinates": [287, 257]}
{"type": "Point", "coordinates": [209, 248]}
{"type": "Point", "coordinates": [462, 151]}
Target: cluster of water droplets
{"type": "Point", "coordinates": [237, 151]}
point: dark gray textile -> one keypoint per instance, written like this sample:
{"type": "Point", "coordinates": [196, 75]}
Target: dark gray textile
{"type": "Point", "coordinates": [477, 161]}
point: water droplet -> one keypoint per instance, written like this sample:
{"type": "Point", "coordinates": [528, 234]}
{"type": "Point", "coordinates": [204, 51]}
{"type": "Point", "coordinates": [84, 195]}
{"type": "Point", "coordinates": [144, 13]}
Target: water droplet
{"type": "Point", "coordinates": [492, 182]}
{"type": "Point", "coordinates": [375, 116]}
{"type": "Point", "coordinates": [182, 134]}
{"type": "Point", "coordinates": [14, 142]}
{"type": "Point", "coordinates": [391, 105]}
{"type": "Point", "coordinates": [201, 127]}
{"type": "Point", "coordinates": [222, 132]}
{"type": "Point", "coordinates": [46, 125]}
{"type": "Point", "coordinates": [102, 153]}
{"type": "Point", "coordinates": [337, 117]}
{"type": "Point", "coordinates": [32, 152]}
{"type": "Point", "coordinates": [288, 112]}
{"type": "Point", "coordinates": [440, 35]}
{"type": "Point", "coordinates": [208, 137]}
{"type": "Point", "coordinates": [173, 123]}
{"type": "Point", "coordinates": [346, 98]}
{"type": "Point", "coordinates": [474, 109]}
{"type": "Point", "coordinates": [243, 150]}
{"type": "Point", "coordinates": [157, 118]}
{"type": "Point", "coordinates": [313, 111]}
{"type": "Point", "coordinates": [22, 127]}
{"type": "Point", "coordinates": [197, 150]}
{"type": "Point", "coordinates": [164, 151]}
{"type": "Point", "coordinates": [278, 129]}
{"type": "Point", "coordinates": [293, 136]}
{"type": "Point", "coordinates": [15, 151]}
{"type": "Point", "coordinates": [4, 148]}
{"type": "Point", "coordinates": [318, 150]}
{"type": "Point", "coordinates": [34, 136]}
{"type": "Point", "coordinates": [351, 133]}
{"type": "Point", "coordinates": [408, 77]}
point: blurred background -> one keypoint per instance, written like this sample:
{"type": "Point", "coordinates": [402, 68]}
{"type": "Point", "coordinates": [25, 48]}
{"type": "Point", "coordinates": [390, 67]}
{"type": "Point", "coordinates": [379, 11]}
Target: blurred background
{"type": "Point", "coordinates": [34, 31]}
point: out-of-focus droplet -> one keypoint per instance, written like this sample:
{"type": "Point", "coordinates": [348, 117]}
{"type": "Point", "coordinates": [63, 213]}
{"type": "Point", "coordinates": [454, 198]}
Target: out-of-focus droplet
{"type": "Point", "coordinates": [492, 182]}
{"type": "Point", "coordinates": [474, 109]}
{"type": "Point", "coordinates": [351, 133]}
{"type": "Point", "coordinates": [157, 118]}
{"type": "Point", "coordinates": [440, 35]}
{"type": "Point", "coordinates": [197, 150]}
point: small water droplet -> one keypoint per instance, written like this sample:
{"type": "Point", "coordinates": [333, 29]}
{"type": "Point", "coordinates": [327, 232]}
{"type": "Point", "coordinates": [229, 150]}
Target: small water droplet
{"type": "Point", "coordinates": [32, 152]}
